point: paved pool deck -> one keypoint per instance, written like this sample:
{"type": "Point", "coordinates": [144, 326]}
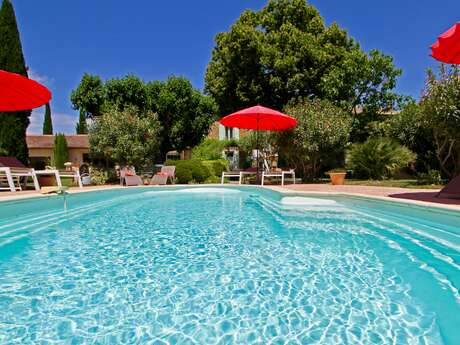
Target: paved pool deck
{"type": "Point", "coordinates": [409, 195]}
{"type": "Point", "coordinates": [422, 197]}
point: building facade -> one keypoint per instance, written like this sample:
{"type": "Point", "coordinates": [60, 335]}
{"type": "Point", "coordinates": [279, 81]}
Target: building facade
{"type": "Point", "coordinates": [41, 149]}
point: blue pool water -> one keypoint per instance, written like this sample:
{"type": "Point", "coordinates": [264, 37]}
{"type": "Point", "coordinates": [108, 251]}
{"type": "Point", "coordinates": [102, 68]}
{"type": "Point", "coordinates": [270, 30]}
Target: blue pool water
{"type": "Point", "coordinates": [226, 266]}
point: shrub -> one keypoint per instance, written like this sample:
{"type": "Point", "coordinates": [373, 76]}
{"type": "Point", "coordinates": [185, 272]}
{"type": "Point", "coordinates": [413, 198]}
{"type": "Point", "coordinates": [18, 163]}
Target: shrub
{"type": "Point", "coordinates": [200, 172]}
{"type": "Point", "coordinates": [60, 151]}
{"type": "Point", "coordinates": [432, 177]}
{"type": "Point", "coordinates": [216, 167]}
{"type": "Point", "coordinates": [411, 130]}
{"type": "Point", "coordinates": [191, 170]}
{"type": "Point", "coordinates": [212, 180]}
{"type": "Point", "coordinates": [183, 173]}
{"type": "Point", "coordinates": [318, 140]}
{"type": "Point", "coordinates": [211, 149]}
{"type": "Point", "coordinates": [98, 176]}
{"type": "Point", "coordinates": [378, 158]}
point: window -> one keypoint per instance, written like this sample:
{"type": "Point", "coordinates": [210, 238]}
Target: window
{"type": "Point", "coordinates": [228, 133]}
{"type": "Point", "coordinates": [39, 163]}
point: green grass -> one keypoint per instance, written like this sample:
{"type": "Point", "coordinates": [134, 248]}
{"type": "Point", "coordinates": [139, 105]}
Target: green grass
{"type": "Point", "coordinates": [407, 183]}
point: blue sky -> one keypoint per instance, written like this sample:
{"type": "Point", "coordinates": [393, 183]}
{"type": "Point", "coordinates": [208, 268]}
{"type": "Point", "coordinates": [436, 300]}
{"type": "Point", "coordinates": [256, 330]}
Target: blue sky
{"type": "Point", "coordinates": [155, 39]}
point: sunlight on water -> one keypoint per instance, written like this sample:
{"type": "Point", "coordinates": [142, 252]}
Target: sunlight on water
{"type": "Point", "coordinates": [213, 265]}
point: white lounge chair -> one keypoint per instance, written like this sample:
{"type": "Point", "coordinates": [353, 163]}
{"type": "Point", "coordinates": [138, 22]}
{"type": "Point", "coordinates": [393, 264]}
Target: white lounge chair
{"type": "Point", "coordinates": [11, 177]}
{"type": "Point", "coordinates": [278, 174]}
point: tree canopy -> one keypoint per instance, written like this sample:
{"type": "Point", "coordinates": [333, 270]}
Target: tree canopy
{"type": "Point", "coordinates": [184, 113]}
{"type": "Point", "coordinates": [13, 125]}
{"type": "Point", "coordinates": [89, 96]}
{"type": "Point", "coordinates": [285, 51]}
{"type": "Point", "coordinates": [126, 137]}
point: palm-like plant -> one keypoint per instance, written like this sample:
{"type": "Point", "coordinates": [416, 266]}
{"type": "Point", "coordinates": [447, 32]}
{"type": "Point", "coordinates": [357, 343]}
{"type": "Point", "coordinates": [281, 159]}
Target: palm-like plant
{"type": "Point", "coordinates": [378, 158]}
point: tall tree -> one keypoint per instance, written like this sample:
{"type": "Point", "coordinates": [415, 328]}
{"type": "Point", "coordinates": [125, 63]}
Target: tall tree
{"type": "Point", "coordinates": [81, 127]}
{"type": "Point", "coordinates": [285, 51]}
{"type": "Point", "coordinates": [47, 122]}
{"type": "Point", "coordinates": [13, 125]}
{"type": "Point", "coordinates": [60, 151]}
{"type": "Point", "coordinates": [89, 96]}
{"type": "Point", "coordinates": [440, 107]}
{"type": "Point", "coordinates": [185, 114]}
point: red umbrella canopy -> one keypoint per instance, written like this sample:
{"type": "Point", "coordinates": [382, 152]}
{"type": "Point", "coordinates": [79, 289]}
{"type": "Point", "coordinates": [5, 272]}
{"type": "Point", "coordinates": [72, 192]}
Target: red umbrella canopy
{"type": "Point", "coordinates": [259, 118]}
{"type": "Point", "coordinates": [21, 93]}
{"type": "Point", "coordinates": [447, 47]}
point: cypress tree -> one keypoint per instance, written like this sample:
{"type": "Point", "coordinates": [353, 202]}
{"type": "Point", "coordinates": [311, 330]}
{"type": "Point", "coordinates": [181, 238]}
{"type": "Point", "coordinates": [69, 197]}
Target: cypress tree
{"type": "Point", "coordinates": [81, 127]}
{"type": "Point", "coordinates": [13, 125]}
{"type": "Point", "coordinates": [47, 123]}
{"type": "Point", "coordinates": [60, 151]}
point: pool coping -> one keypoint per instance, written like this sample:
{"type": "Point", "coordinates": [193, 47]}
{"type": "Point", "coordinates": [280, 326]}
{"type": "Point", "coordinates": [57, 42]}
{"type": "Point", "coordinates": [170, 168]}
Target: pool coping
{"type": "Point", "coordinates": [426, 205]}
{"type": "Point", "coordinates": [415, 203]}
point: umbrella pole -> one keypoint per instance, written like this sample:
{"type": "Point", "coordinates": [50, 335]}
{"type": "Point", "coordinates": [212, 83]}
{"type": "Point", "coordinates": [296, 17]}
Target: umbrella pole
{"type": "Point", "coordinates": [257, 147]}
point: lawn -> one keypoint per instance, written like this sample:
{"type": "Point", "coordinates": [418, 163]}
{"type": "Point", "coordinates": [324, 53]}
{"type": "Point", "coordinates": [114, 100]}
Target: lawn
{"type": "Point", "coordinates": [406, 183]}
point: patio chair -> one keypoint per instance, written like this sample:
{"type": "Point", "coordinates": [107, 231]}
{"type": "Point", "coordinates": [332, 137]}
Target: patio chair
{"type": "Point", "coordinates": [279, 173]}
{"type": "Point", "coordinates": [238, 173]}
{"type": "Point", "coordinates": [166, 172]}
{"type": "Point", "coordinates": [451, 190]}
{"type": "Point", "coordinates": [74, 173]}
{"type": "Point", "coordinates": [128, 177]}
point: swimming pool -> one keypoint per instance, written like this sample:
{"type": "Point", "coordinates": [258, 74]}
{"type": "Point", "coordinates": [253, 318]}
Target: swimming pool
{"type": "Point", "coordinates": [227, 265]}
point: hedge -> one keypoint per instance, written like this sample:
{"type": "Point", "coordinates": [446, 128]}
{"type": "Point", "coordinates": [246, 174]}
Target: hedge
{"type": "Point", "coordinates": [197, 171]}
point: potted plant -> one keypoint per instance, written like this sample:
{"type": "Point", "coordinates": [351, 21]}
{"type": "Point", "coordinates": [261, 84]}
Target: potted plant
{"type": "Point", "coordinates": [337, 176]}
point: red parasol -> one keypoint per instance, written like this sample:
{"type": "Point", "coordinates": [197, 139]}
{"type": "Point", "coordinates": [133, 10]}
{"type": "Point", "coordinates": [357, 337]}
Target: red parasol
{"type": "Point", "coordinates": [21, 93]}
{"type": "Point", "coordinates": [447, 47]}
{"type": "Point", "coordinates": [259, 118]}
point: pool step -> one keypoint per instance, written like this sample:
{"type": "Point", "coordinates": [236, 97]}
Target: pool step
{"type": "Point", "coordinates": [291, 215]}
{"type": "Point", "coordinates": [17, 229]}
{"type": "Point", "coordinates": [414, 240]}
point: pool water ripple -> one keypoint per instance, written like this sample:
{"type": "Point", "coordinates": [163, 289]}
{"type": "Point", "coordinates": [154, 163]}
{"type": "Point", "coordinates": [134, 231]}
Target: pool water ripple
{"type": "Point", "coordinates": [222, 269]}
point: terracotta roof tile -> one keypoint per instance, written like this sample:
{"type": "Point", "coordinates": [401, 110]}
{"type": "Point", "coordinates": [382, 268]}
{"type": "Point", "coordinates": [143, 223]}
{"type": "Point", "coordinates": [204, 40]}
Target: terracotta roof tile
{"type": "Point", "coordinates": [47, 141]}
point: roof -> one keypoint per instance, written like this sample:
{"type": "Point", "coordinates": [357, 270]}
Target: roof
{"type": "Point", "coordinates": [78, 141]}
{"type": "Point", "coordinates": [11, 162]}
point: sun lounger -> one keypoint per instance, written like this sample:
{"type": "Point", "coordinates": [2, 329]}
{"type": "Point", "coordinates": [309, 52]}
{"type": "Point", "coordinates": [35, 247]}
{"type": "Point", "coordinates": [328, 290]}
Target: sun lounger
{"type": "Point", "coordinates": [451, 190]}
{"type": "Point", "coordinates": [167, 172]}
{"type": "Point", "coordinates": [282, 174]}
{"type": "Point", "coordinates": [128, 177]}
{"type": "Point", "coordinates": [171, 171]}
{"type": "Point", "coordinates": [13, 173]}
